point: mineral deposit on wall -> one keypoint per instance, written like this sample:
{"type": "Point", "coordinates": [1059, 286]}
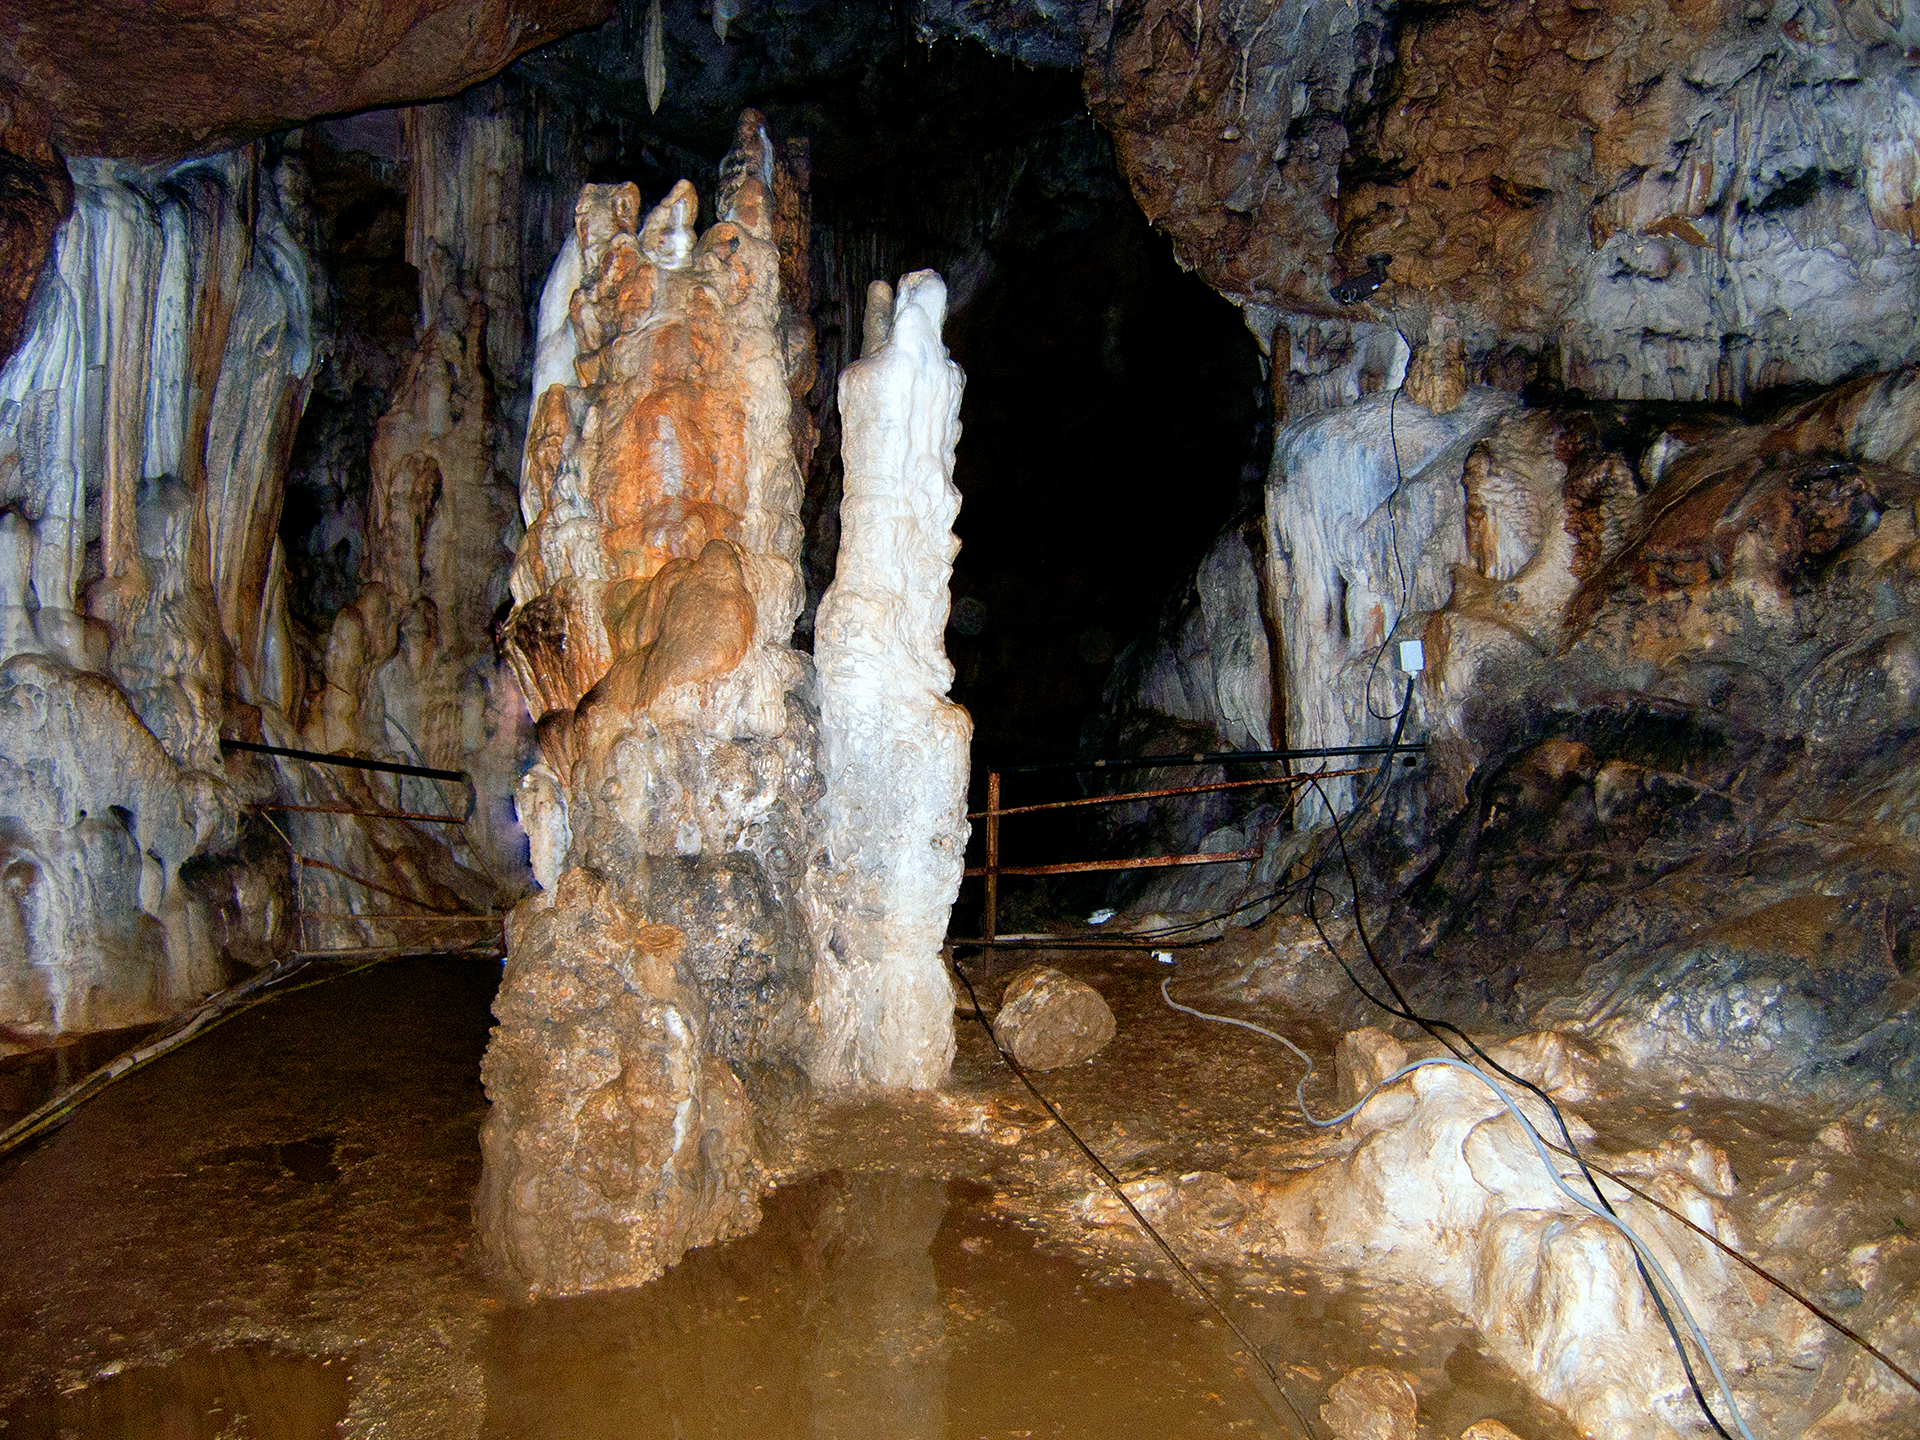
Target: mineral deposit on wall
{"type": "Point", "coordinates": [144, 423]}
{"type": "Point", "coordinates": [893, 748]}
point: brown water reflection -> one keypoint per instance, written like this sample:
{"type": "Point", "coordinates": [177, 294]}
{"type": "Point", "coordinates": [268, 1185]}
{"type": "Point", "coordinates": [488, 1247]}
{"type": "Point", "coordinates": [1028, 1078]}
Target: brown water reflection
{"type": "Point", "coordinates": [868, 1306]}
{"type": "Point", "coordinates": [250, 1391]}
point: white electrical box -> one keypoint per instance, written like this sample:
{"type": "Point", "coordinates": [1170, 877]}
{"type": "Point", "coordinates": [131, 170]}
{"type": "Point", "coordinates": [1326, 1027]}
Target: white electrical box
{"type": "Point", "coordinates": [1413, 656]}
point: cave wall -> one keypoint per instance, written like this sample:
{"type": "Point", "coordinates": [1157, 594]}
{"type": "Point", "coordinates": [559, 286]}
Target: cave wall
{"type": "Point", "coordinates": [145, 420]}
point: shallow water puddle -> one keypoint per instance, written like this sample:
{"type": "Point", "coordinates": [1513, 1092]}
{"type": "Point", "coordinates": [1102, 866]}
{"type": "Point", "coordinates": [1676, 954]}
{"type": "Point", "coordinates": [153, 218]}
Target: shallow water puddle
{"type": "Point", "coordinates": [869, 1307]}
{"type": "Point", "coordinates": [249, 1391]}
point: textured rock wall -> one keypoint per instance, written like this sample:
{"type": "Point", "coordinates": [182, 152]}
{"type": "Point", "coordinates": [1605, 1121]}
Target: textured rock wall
{"type": "Point", "coordinates": [893, 749]}
{"type": "Point", "coordinates": [143, 424]}
{"type": "Point", "coordinates": [1688, 662]}
{"type": "Point", "coordinates": [164, 81]}
{"type": "Point", "coordinates": [409, 672]}
{"type": "Point", "coordinates": [1696, 202]}
{"type": "Point", "coordinates": [656, 590]}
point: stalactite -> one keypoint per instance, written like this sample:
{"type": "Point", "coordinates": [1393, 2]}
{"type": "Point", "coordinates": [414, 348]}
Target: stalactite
{"type": "Point", "coordinates": [656, 58]}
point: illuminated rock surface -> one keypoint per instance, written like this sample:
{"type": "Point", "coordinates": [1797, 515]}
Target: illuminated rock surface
{"type": "Point", "coordinates": [893, 754]}
{"type": "Point", "coordinates": [656, 592]}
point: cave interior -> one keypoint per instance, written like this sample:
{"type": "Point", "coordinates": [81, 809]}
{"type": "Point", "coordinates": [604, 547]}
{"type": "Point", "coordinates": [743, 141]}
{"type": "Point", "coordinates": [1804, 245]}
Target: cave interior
{"type": "Point", "coordinates": [923, 719]}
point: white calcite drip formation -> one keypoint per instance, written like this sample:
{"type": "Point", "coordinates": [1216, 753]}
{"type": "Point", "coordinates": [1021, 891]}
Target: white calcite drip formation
{"type": "Point", "coordinates": [144, 425]}
{"type": "Point", "coordinates": [894, 749]}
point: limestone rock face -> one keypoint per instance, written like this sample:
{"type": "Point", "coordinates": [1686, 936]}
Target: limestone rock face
{"type": "Point", "coordinates": [1442, 1188]}
{"type": "Point", "coordinates": [409, 671]}
{"type": "Point", "coordinates": [1048, 1019]}
{"type": "Point", "coordinates": [1363, 521]}
{"type": "Point", "coordinates": [1695, 203]}
{"type": "Point", "coordinates": [656, 589]}
{"type": "Point", "coordinates": [144, 422]}
{"type": "Point", "coordinates": [1760, 595]}
{"type": "Point", "coordinates": [616, 1138]}
{"type": "Point", "coordinates": [98, 929]}
{"type": "Point", "coordinates": [176, 79]}
{"type": "Point", "coordinates": [893, 748]}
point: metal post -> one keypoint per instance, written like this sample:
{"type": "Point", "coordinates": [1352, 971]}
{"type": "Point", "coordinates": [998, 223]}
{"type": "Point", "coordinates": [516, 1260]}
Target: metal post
{"type": "Point", "coordinates": [993, 851]}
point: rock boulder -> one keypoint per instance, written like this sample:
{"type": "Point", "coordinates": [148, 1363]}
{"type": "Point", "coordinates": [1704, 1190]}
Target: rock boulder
{"type": "Point", "coordinates": [1048, 1019]}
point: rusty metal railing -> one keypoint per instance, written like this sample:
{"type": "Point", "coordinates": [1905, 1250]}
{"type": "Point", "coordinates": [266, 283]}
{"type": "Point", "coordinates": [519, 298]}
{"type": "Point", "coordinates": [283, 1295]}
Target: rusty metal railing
{"type": "Point", "coordinates": [996, 812]}
{"type": "Point", "coordinates": [433, 914]}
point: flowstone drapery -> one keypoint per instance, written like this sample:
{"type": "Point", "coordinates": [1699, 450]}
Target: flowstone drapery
{"type": "Point", "coordinates": [144, 424]}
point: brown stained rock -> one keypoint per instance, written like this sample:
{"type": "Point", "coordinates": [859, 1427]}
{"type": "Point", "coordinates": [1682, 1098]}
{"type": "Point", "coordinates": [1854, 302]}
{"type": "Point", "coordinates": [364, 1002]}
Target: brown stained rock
{"type": "Point", "coordinates": [1488, 1430]}
{"type": "Point", "coordinates": [1770, 503]}
{"type": "Point", "coordinates": [1371, 1403]}
{"type": "Point", "coordinates": [1048, 1019]}
{"type": "Point", "coordinates": [35, 196]}
{"type": "Point", "coordinates": [1241, 186]}
{"type": "Point", "coordinates": [164, 80]}
{"type": "Point", "coordinates": [1585, 185]}
{"type": "Point", "coordinates": [693, 621]}
{"type": "Point", "coordinates": [1437, 378]}
{"type": "Point", "coordinates": [614, 1142]}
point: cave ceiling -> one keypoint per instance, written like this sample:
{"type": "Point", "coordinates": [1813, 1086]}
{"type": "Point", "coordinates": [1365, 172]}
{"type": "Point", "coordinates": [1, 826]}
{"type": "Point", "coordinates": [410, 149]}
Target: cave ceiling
{"type": "Point", "coordinates": [159, 81]}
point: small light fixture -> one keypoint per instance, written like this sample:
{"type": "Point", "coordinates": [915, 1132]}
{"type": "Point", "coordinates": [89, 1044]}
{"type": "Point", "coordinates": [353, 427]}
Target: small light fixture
{"type": "Point", "coordinates": [1413, 656]}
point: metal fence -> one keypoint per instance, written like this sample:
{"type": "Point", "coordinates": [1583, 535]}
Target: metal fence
{"type": "Point", "coordinates": [996, 812]}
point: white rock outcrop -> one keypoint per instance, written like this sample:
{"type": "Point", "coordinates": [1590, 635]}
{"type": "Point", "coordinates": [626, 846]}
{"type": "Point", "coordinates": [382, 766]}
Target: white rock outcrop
{"type": "Point", "coordinates": [893, 748]}
{"type": "Point", "coordinates": [1364, 526]}
{"type": "Point", "coordinates": [144, 423]}
{"type": "Point", "coordinates": [1443, 1189]}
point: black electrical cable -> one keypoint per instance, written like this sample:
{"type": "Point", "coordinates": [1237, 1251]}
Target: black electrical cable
{"type": "Point", "coordinates": [1112, 1182]}
{"type": "Point", "coordinates": [1399, 565]}
{"type": "Point", "coordinates": [1405, 1011]}
{"type": "Point", "coordinates": [1280, 896]}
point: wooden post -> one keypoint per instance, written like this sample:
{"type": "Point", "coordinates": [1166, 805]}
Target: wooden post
{"type": "Point", "coordinates": [993, 852]}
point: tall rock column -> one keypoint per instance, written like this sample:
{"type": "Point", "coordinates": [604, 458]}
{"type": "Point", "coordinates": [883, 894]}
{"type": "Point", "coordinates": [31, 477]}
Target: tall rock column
{"type": "Point", "coordinates": [666, 962]}
{"type": "Point", "coordinates": [894, 749]}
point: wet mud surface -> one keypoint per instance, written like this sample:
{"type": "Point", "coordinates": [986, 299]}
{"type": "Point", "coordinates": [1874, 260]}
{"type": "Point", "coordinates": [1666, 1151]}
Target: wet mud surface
{"type": "Point", "coordinates": [270, 1233]}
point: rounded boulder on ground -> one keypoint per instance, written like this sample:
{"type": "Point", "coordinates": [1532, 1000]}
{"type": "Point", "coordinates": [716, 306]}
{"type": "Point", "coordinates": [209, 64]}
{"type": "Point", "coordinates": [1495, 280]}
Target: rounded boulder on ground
{"type": "Point", "coordinates": [1048, 1019]}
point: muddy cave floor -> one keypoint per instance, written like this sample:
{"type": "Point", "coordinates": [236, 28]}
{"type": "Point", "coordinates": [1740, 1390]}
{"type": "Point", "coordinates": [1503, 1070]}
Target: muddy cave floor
{"type": "Point", "coordinates": [269, 1233]}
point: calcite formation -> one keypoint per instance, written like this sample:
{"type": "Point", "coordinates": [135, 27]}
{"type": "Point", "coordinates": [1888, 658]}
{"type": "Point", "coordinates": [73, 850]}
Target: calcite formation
{"type": "Point", "coordinates": [143, 425]}
{"type": "Point", "coordinates": [409, 671]}
{"type": "Point", "coordinates": [1364, 524]}
{"type": "Point", "coordinates": [616, 1138]}
{"type": "Point", "coordinates": [1440, 1187]}
{"type": "Point", "coordinates": [656, 590]}
{"type": "Point", "coordinates": [893, 749]}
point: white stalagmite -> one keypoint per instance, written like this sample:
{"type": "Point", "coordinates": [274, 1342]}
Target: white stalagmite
{"type": "Point", "coordinates": [894, 749]}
